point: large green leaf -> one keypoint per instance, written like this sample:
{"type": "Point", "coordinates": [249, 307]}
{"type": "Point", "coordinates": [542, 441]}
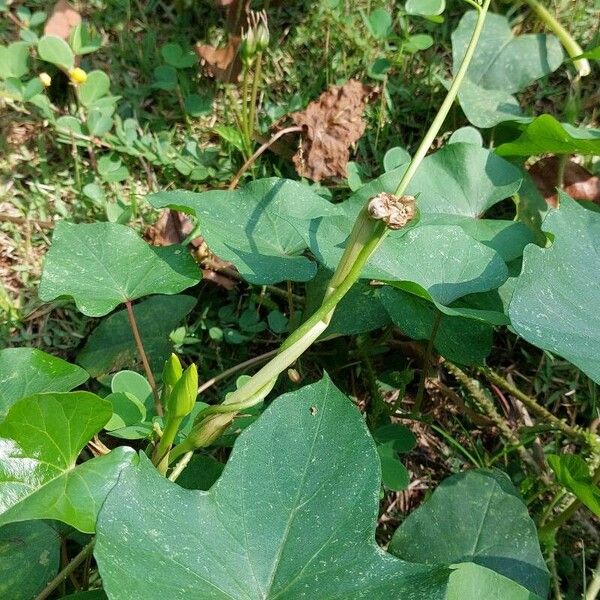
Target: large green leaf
{"type": "Point", "coordinates": [503, 65]}
{"type": "Point", "coordinates": [55, 50]}
{"type": "Point", "coordinates": [258, 227]}
{"type": "Point", "coordinates": [573, 473]}
{"type": "Point", "coordinates": [111, 346]}
{"type": "Point", "coordinates": [29, 558]}
{"type": "Point", "coordinates": [292, 516]}
{"type": "Point", "coordinates": [27, 371]}
{"type": "Point", "coordinates": [289, 518]}
{"type": "Point", "coordinates": [555, 302]}
{"type": "Point", "coordinates": [101, 265]}
{"type": "Point", "coordinates": [493, 530]}
{"type": "Point", "coordinates": [459, 339]}
{"type": "Point", "coordinates": [547, 135]}
{"type": "Point", "coordinates": [40, 441]}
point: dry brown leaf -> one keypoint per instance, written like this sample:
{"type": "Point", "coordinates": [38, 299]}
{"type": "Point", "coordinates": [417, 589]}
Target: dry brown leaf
{"type": "Point", "coordinates": [62, 20]}
{"type": "Point", "coordinates": [330, 126]}
{"type": "Point", "coordinates": [222, 63]}
{"type": "Point", "coordinates": [578, 182]}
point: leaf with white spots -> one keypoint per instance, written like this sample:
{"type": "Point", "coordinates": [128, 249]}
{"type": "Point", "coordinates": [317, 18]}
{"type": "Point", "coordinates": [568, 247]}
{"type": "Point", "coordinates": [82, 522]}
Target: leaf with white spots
{"type": "Point", "coordinates": [493, 530]}
{"type": "Point", "coordinates": [555, 302]}
{"type": "Point", "coordinates": [101, 265]}
{"type": "Point", "coordinates": [40, 441]}
{"type": "Point", "coordinates": [292, 517]}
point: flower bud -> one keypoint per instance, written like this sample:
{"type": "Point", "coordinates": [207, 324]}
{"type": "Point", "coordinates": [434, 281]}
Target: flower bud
{"type": "Point", "coordinates": [262, 32]}
{"type": "Point", "coordinates": [172, 371]}
{"type": "Point", "coordinates": [77, 76]}
{"type": "Point", "coordinates": [45, 79]}
{"type": "Point", "coordinates": [208, 430]}
{"type": "Point", "coordinates": [248, 47]}
{"type": "Point", "coordinates": [183, 396]}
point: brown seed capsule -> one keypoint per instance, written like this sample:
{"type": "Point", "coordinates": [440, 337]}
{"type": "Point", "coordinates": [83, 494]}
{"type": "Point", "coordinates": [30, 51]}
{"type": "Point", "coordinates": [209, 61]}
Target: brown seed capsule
{"type": "Point", "coordinates": [393, 211]}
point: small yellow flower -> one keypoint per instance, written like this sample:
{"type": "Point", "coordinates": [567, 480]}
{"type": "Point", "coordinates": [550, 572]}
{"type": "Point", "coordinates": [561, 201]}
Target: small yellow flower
{"type": "Point", "coordinates": [45, 79]}
{"type": "Point", "coordinates": [77, 76]}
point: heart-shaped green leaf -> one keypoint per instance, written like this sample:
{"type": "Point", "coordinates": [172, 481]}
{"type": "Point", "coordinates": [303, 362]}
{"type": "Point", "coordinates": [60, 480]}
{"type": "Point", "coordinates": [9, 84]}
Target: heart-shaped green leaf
{"type": "Point", "coordinates": [258, 227]}
{"type": "Point", "coordinates": [573, 473]}
{"type": "Point", "coordinates": [289, 518]}
{"type": "Point", "coordinates": [503, 65]}
{"type": "Point", "coordinates": [28, 371]}
{"type": "Point", "coordinates": [555, 302]}
{"type": "Point", "coordinates": [40, 440]}
{"type": "Point", "coordinates": [174, 55]}
{"type": "Point", "coordinates": [547, 135]}
{"type": "Point", "coordinates": [29, 558]}
{"type": "Point", "coordinates": [497, 533]}
{"type": "Point", "coordinates": [111, 346]}
{"type": "Point", "coordinates": [55, 50]}
{"type": "Point", "coordinates": [102, 265]}
{"type": "Point", "coordinates": [14, 60]}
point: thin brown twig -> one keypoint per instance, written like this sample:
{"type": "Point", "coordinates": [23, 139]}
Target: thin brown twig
{"type": "Point", "coordinates": [25, 221]}
{"type": "Point", "coordinates": [261, 149]}
{"type": "Point", "coordinates": [140, 347]}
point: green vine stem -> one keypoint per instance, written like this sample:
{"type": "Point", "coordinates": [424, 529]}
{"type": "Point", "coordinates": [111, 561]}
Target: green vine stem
{"type": "Point", "coordinates": [576, 433]}
{"type": "Point", "coordinates": [80, 558]}
{"type": "Point", "coordinates": [254, 95]}
{"type": "Point", "coordinates": [571, 46]}
{"type": "Point", "coordinates": [365, 237]}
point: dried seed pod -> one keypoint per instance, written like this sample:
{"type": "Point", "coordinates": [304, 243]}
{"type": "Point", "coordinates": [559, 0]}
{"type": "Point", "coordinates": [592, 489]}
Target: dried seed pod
{"type": "Point", "coordinates": [395, 212]}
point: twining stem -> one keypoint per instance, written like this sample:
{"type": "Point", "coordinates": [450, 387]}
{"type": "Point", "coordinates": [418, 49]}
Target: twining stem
{"type": "Point", "coordinates": [575, 433]}
{"type": "Point", "coordinates": [140, 348]}
{"type": "Point", "coordinates": [161, 454]}
{"type": "Point", "coordinates": [364, 239]}
{"type": "Point", "coordinates": [181, 465]}
{"type": "Point", "coordinates": [571, 46]}
{"type": "Point", "coordinates": [85, 552]}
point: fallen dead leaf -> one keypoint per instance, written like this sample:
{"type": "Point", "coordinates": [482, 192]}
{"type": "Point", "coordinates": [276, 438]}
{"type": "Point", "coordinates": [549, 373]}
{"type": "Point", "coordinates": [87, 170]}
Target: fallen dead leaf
{"type": "Point", "coordinates": [330, 126]}
{"type": "Point", "coordinates": [578, 182]}
{"type": "Point", "coordinates": [222, 63]}
{"type": "Point", "coordinates": [62, 20]}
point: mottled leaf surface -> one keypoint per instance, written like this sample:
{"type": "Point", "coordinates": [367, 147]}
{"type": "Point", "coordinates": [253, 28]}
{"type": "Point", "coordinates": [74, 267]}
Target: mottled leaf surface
{"type": "Point", "coordinates": [293, 516]}
{"type": "Point", "coordinates": [258, 228]}
{"type": "Point", "coordinates": [28, 371]}
{"type": "Point", "coordinates": [29, 559]}
{"type": "Point", "coordinates": [503, 65]}
{"type": "Point", "coordinates": [40, 440]}
{"type": "Point", "coordinates": [555, 302]}
{"type": "Point", "coordinates": [101, 265]}
{"type": "Point", "coordinates": [111, 347]}
{"type": "Point", "coordinates": [494, 530]}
